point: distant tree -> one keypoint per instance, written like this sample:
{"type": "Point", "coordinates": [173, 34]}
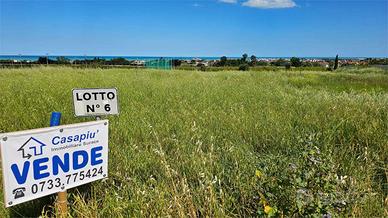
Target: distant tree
{"type": "Point", "coordinates": [307, 64]}
{"type": "Point", "coordinates": [261, 63]}
{"type": "Point", "coordinates": [288, 66]}
{"type": "Point", "coordinates": [223, 61]}
{"type": "Point", "coordinates": [119, 61]}
{"type": "Point", "coordinates": [63, 60]}
{"type": "Point", "coordinates": [253, 60]}
{"type": "Point", "coordinates": [279, 62]}
{"type": "Point", "coordinates": [377, 61]}
{"type": "Point", "coordinates": [44, 60]}
{"type": "Point", "coordinates": [229, 62]}
{"type": "Point", "coordinates": [329, 65]}
{"type": "Point", "coordinates": [295, 62]}
{"type": "Point", "coordinates": [176, 62]}
{"type": "Point", "coordinates": [98, 60]}
{"type": "Point", "coordinates": [244, 58]}
{"type": "Point", "coordinates": [336, 63]}
{"type": "Point", "coordinates": [201, 67]}
{"type": "Point", "coordinates": [243, 67]}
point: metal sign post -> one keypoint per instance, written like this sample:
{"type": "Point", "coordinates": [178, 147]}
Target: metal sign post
{"type": "Point", "coordinates": [61, 203]}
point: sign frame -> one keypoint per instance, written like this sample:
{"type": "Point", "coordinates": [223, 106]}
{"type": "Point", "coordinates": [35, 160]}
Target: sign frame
{"type": "Point", "coordinates": [95, 115]}
{"type": "Point", "coordinates": [30, 133]}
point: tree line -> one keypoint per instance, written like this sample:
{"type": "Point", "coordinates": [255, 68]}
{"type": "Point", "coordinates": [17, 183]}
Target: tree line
{"type": "Point", "coordinates": [245, 62]}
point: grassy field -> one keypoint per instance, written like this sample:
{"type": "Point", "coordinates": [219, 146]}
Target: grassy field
{"type": "Point", "coordinates": [220, 144]}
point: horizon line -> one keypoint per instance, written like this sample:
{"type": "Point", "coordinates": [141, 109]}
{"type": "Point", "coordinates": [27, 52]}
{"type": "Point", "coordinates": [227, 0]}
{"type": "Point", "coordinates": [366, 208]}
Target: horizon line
{"type": "Point", "coordinates": [169, 56]}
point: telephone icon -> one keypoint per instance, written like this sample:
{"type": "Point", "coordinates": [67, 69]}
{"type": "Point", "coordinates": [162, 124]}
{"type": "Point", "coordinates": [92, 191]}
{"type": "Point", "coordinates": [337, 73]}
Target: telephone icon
{"type": "Point", "coordinates": [19, 192]}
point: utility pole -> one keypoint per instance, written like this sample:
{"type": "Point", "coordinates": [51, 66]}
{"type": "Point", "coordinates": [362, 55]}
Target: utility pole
{"type": "Point", "coordinates": [47, 57]}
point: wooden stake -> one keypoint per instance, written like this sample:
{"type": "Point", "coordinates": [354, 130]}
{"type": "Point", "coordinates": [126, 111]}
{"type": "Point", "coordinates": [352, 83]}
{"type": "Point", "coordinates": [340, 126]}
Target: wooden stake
{"type": "Point", "coordinates": [62, 204]}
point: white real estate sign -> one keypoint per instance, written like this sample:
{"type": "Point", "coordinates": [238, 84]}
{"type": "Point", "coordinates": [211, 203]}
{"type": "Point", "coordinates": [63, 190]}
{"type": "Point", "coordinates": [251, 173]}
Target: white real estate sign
{"type": "Point", "coordinates": [95, 102]}
{"type": "Point", "coordinates": [39, 162]}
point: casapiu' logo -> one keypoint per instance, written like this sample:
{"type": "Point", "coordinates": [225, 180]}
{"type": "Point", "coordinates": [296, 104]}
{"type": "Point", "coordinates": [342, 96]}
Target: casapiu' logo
{"type": "Point", "coordinates": [32, 147]}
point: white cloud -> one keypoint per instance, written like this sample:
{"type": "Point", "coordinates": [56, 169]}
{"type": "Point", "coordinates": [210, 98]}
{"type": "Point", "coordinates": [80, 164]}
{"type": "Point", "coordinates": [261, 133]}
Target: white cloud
{"type": "Point", "coordinates": [228, 1]}
{"type": "Point", "coordinates": [269, 3]}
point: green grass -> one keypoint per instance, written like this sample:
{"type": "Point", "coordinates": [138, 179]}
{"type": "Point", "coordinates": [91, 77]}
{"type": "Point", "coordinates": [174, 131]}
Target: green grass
{"type": "Point", "coordinates": [218, 144]}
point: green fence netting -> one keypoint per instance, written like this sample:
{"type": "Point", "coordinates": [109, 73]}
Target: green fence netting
{"type": "Point", "coordinates": [164, 64]}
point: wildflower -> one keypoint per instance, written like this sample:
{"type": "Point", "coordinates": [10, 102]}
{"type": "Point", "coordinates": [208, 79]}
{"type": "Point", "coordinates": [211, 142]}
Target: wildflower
{"type": "Point", "coordinates": [268, 209]}
{"type": "Point", "coordinates": [263, 201]}
{"type": "Point", "coordinates": [328, 215]}
{"type": "Point", "coordinates": [258, 173]}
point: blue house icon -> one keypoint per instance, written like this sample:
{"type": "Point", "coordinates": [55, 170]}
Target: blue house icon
{"type": "Point", "coordinates": [32, 147]}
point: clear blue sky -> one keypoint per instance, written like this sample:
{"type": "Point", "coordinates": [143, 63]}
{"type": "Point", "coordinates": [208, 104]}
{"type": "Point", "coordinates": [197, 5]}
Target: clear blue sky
{"type": "Point", "coordinates": [195, 28]}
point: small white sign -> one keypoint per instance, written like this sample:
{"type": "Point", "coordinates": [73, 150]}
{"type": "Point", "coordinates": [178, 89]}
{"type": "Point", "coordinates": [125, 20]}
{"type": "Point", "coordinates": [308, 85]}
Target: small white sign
{"type": "Point", "coordinates": [39, 162]}
{"type": "Point", "coordinates": [95, 102]}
